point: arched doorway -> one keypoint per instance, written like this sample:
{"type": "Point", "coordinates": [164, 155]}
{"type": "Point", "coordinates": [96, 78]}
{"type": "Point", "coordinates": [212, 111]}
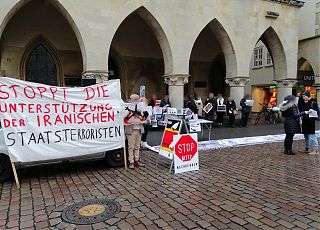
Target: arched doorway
{"type": "Point", "coordinates": [137, 54]}
{"type": "Point", "coordinates": [268, 64]}
{"type": "Point", "coordinates": [305, 77]}
{"type": "Point", "coordinates": [212, 60]}
{"type": "Point", "coordinates": [38, 44]}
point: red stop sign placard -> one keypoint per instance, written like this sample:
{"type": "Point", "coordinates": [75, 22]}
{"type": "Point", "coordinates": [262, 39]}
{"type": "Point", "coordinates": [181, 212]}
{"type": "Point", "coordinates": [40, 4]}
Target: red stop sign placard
{"type": "Point", "coordinates": [186, 148]}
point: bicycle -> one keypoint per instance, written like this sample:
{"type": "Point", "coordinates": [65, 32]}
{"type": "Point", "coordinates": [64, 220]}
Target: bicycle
{"type": "Point", "coordinates": [271, 115]}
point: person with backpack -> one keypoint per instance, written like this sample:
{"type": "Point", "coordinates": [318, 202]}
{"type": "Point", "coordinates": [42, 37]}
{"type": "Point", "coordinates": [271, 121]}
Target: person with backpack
{"type": "Point", "coordinates": [308, 123]}
{"type": "Point", "coordinates": [291, 116]}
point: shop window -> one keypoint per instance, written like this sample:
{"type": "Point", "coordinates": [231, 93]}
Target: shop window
{"type": "Point", "coordinates": [269, 59]}
{"type": "Point", "coordinates": [258, 54]}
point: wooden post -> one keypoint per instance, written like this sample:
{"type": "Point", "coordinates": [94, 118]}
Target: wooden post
{"type": "Point", "coordinates": [125, 155]}
{"type": "Point", "coordinates": [15, 175]}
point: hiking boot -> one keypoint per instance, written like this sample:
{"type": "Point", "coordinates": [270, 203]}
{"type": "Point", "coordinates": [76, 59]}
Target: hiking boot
{"type": "Point", "coordinates": [139, 164]}
{"type": "Point", "coordinates": [291, 153]}
{"type": "Point", "coordinates": [131, 166]}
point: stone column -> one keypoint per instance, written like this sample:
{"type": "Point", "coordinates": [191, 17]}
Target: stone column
{"type": "Point", "coordinates": [318, 92]}
{"type": "Point", "coordinates": [100, 75]}
{"type": "Point", "coordinates": [237, 87]}
{"type": "Point", "coordinates": [284, 88]}
{"type": "Point", "coordinates": [176, 84]}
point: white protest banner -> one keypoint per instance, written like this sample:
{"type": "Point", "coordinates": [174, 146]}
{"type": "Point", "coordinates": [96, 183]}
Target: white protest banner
{"type": "Point", "coordinates": [42, 122]}
{"type": "Point", "coordinates": [186, 157]}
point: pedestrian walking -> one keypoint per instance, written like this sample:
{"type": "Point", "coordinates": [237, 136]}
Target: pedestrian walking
{"type": "Point", "coordinates": [210, 115]}
{"type": "Point", "coordinates": [133, 130]}
{"type": "Point", "coordinates": [231, 111]}
{"type": "Point", "coordinates": [291, 116]}
{"type": "Point", "coordinates": [221, 109]}
{"type": "Point", "coordinates": [245, 111]}
{"type": "Point", "coordinates": [308, 123]}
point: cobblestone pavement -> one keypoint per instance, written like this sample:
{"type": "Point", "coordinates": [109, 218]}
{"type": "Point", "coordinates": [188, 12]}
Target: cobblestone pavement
{"type": "Point", "coordinates": [254, 187]}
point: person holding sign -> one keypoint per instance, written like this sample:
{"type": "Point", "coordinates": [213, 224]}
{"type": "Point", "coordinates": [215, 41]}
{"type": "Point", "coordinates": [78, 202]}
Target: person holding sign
{"type": "Point", "coordinates": [231, 111]}
{"type": "Point", "coordinates": [210, 104]}
{"type": "Point", "coordinates": [291, 116]}
{"type": "Point", "coordinates": [134, 130]}
{"type": "Point", "coordinates": [246, 109]}
{"type": "Point", "coordinates": [221, 109]}
{"type": "Point", "coordinates": [308, 122]}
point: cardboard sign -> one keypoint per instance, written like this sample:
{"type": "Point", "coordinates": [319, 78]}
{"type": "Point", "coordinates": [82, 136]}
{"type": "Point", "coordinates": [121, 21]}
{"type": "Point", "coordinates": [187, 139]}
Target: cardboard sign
{"type": "Point", "coordinates": [194, 126]}
{"type": "Point", "coordinates": [208, 108]}
{"type": "Point", "coordinates": [42, 122]}
{"type": "Point", "coordinates": [221, 108]}
{"type": "Point", "coordinates": [172, 128]}
{"type": "Point", "coordinates": [142, 92]}
{"type": "Point", "coordinates": [186, 157]}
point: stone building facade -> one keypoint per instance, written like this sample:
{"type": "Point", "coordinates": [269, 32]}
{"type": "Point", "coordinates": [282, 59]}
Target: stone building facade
{"type": "Point", "coordinates": [171, 46]}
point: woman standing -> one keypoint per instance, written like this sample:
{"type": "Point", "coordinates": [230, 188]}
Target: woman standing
{"type": "Point", "coordinates": [291, 121]}
{"type": "Point", "coordinates": [231, 111]}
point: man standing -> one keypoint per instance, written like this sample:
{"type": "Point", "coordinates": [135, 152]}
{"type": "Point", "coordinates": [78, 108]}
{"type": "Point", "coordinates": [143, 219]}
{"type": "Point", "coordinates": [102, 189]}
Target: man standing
{"type": "Point", "coordinates": [308, 123]}
{"type": "Point", "coordinates": [133, 130]}
{"type": "Point", "coordinates": [246, 109]}
{"type": "Point", "coordinates": [210, 115]}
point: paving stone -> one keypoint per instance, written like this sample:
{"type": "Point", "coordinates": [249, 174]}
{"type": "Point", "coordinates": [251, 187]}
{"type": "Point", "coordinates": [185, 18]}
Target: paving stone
{"type": "Point", "coordinates": [248, 187]}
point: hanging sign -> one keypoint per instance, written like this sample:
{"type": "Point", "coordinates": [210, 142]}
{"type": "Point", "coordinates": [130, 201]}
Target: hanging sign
{"type": "Point", "coordinates": [42, 122]}
{"type": "Point", "coordinates": [186, 157]}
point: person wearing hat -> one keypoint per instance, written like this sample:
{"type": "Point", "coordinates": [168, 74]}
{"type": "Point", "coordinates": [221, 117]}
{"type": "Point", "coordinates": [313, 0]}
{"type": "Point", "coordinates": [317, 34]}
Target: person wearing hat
{"type": "Point", "coordinates": [134, 130]}
{"type": "Point", "coordinates": [308, 123]}
{"type": "Point", "coordinates": [291, 116]}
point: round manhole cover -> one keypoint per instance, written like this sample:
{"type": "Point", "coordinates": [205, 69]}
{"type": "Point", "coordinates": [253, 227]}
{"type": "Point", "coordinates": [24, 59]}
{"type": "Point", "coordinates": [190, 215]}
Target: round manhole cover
{"type": "Point", "coordinates": [90, 211]}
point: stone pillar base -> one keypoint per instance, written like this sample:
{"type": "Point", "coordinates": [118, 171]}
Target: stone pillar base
{"type": "Point", "coordinates": [176, 84]}
{"type": "Point", "coordinates": [100, 75]}
{"type": "Point", "coordinates": [284, 89]}
{"type": "Point", "coordinates": [237, 88]}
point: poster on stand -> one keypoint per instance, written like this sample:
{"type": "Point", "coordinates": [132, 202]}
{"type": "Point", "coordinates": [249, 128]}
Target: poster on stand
{"type": "Point", "coordinates": [172, 128]}
{"type": "Point", "coordinates": [186, 157]}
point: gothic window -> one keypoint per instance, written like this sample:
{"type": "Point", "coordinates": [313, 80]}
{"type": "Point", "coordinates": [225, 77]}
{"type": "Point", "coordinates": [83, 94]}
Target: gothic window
{"type": "Point", "coordinates": [41, 67]}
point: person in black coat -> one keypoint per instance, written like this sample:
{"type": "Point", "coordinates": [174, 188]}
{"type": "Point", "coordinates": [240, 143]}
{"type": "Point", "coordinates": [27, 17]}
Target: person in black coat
{"type": "Point", "coordinates": [308, 123]}
{"type": "Point", "coordinates": [245, 112]}
{"type": "Point", "coordinates": [220, 102]}
{"type": "Point", "coordinates": [191, 104]}
{"type": "Point", "coordinates": [210, 116]}
{"type": "Point", "coordinates": [231, 111]}
{"type": "Point", "coordinates": [291, 116]}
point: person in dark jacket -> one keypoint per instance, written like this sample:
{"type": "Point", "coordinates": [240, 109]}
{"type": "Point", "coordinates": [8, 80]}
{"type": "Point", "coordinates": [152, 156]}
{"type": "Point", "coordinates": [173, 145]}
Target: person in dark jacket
{"type": "Point", "coordinates": [308, 123]}
{"type": "Point", "coordinates": [231, 111]}
{"type": "Point", "coordinates": [291, 116]}
{"type": "Point", "coordinates": [165, 102]}
{"type": "Point", "coordinates": [245, 112]}
{"type": "Point", "coordinates": [220, 102]}
{"type": "Point", "coordinates": [210, 116]}
{"type": "Point", "coordinates": [191, 104]}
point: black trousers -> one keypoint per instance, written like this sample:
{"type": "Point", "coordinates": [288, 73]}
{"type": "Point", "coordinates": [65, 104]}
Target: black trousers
{"type": "Point", "coordinates": [220, 117]}
{"type": "Point", "coordinates": [145, 134]}
{"type": "Point", "coordinates": [232, 118]}
{"type": "Point", "coordinates": [244, 119]}
{"type": "Point", "coordinates": [288, 141]}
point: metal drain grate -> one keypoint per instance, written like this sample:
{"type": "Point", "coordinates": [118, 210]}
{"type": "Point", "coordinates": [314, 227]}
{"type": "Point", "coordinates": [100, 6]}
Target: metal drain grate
{"type": "Point", "coordinates": [90, 211]}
